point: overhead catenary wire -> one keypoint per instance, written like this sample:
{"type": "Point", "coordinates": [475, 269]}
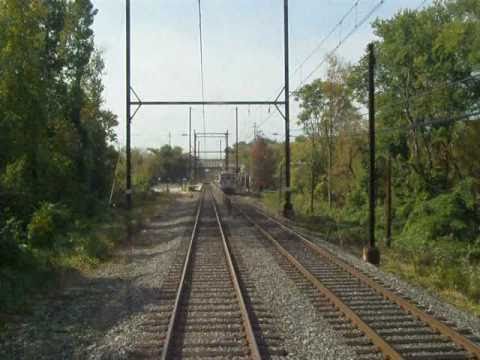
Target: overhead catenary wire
{"type": "Point", "coordinates": [426, 92]}
{"type": "Point", "coordinates": [421, 5]}
{"type": "Point", "coordinates": [325, 38]}
{"type": "Point", "coordinates": [470, 116]}
{"type": "Point", "coordinates": [341, 42]}
{"type": "Point", "coordinates": [321, 43]}
{"type": "Point", "coordinates": [338, 46]}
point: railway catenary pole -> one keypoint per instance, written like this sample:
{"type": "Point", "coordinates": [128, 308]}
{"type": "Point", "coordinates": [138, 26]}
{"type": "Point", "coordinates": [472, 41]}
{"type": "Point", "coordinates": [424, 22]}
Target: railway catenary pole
{"type": "Point", "coordinates": [194, 154]}
{"type": "Point", "coordinates": [371, 252]}
{"type": "Point", "coordinates": [198, 154]}
{"type": "Point", "coordinates": [190, 142]}
{"type": "Point", "coordinates": [220, 150]}
{"type": "Point", "coordinates": [236, 141]}
{"type": "Point", "coordinates": [288, 208]}
{"type": "Point", "coordinates": [226, 151]}
{"type": "Point", "coordinates": [128, 190]}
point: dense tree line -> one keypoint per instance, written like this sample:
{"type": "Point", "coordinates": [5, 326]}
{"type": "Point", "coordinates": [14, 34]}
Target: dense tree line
{"type": "Point", "coordinates": [56, 155]}
{"type": "Point", "coordinates": [59, 169]}
{"type": "Point", "coordinates": [427, 90]}
{"type": "Point", "coordinates": [428, 126]}
{"type": "Point", "coordinates": [151, 166]}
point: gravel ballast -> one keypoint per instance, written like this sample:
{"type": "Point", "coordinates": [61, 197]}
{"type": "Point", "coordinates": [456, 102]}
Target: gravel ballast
{"type": "Point", "coordinates": [306, 334]}
{"type": "Point", "coordinates": [97, 315]}
{"type": "Point", "coordinates": [421, 296]}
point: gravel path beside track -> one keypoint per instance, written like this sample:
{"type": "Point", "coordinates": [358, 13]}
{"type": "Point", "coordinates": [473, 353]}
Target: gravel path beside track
{"type": "Point", "coordinates": [98, 315]}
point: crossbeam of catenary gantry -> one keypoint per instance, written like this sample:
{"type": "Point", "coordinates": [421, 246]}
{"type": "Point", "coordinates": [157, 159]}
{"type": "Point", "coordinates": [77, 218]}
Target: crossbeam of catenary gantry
{"type": "Point", "coordinates": [192, 103]}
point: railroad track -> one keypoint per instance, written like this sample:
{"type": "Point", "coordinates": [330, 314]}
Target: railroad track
{"type": "Point", "coordinates": [378, 322]}
{"type": "Point", "coordinates": [209, 318]}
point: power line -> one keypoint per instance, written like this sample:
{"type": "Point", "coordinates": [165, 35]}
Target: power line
{"type": "Point", "coordinates": [421, 4]}
{"type": "Point", "coordinates": [320, 44]}
{"type": "Point", "coordinates": [427, 92]}
{"type": "Point", "coordinates": [419, 124]}
{"type": "Point", "coordinates": [342, 41]}
{"type": "Point", "coordinates": [332, 31]}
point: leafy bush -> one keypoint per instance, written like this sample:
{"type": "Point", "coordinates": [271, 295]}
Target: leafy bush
{"type": "Point", "coordinates": [446, 216]}
{"type": "Point", "coordinates": [11, 238]}
{"type": "Point", "coordinates": [47, 221]}
{"type": "Point", "coordinates": [98, 246]}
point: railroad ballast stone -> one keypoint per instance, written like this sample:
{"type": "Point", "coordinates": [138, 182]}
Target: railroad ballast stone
{"type": "Point", "coordinates": [104, 314]}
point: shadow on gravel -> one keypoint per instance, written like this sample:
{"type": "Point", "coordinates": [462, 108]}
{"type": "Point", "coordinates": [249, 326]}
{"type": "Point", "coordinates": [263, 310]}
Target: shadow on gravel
{"type": "Point", "coordinates": [184, 212]}
{"type": "Point", "coordinates": [170, 226]}
{"type": "Point", "coordinates": [73, 322]}
{"type": "Point", "coordinates": [81, 315]}
{"type": "Point", "coordinates": [143, 257]}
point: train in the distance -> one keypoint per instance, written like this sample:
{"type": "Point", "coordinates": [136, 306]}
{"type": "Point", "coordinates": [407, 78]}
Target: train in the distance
{"type": "Point", "coordinates": [226, 181]}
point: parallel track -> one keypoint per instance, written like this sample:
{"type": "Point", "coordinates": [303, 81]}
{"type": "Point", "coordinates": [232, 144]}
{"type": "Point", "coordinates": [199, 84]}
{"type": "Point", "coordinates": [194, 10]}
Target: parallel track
{"type": "Point", "coordinates": [209, 318]}
{"type": "Point", "coordinates": [378, 322]}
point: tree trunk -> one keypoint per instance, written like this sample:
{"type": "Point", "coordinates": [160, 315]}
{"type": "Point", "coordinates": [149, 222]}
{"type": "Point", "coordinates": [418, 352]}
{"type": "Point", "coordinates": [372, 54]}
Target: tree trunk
{"type": "Point", "coordinates": [312, 175]}
{"type": "Point", "coordinates": [312, 190]}
{"type": "Point", "coordinates": [329, 174]}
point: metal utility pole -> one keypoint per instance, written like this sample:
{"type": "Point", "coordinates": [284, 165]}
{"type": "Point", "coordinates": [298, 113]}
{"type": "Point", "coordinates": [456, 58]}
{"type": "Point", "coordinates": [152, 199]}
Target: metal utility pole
{"type": "Point", "coordinates": [226, 151]}
{"type": "Point", "coordinates": [221, 150]}
{"type": "Point", "coordinates": [236, 141]}
{"type": "Point", "coordinates": [371, 253]}
{"type": "Point", "coordinates": [288, 208]}
{"type": "Point", "coordinates": [198, 161]}
{"type": "Point", "coordinates": [169, 139]}
{"type": "Point", "coordinates": [194, 154]}
{"type": "Point", "coordinates": [190, 142]}
{"type": "Point", "coordinates": [128, 190]}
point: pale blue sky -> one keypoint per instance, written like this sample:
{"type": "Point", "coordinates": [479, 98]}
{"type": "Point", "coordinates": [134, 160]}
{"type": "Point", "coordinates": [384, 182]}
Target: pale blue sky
{"type": "Point", "coordinates": [243, 55]}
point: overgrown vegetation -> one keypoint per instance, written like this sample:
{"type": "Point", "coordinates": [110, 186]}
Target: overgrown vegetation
{"type": "Point", "coordinates": [57, 159]}
{"type": "Point", "coordinates": [428, 90]}
{"type": "Point", "coordinates": [167, 164]}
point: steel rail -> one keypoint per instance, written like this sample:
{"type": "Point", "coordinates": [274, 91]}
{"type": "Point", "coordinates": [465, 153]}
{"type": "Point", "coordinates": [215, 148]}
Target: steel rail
{"type": "Point", "coordinates": [181, 287]}
{"type": "Point", "coordinates": [410, 308]}
{"type": "Point", "coordinates": [377, 340]}
{"type": "Point", "coordinates": [247, 323]}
